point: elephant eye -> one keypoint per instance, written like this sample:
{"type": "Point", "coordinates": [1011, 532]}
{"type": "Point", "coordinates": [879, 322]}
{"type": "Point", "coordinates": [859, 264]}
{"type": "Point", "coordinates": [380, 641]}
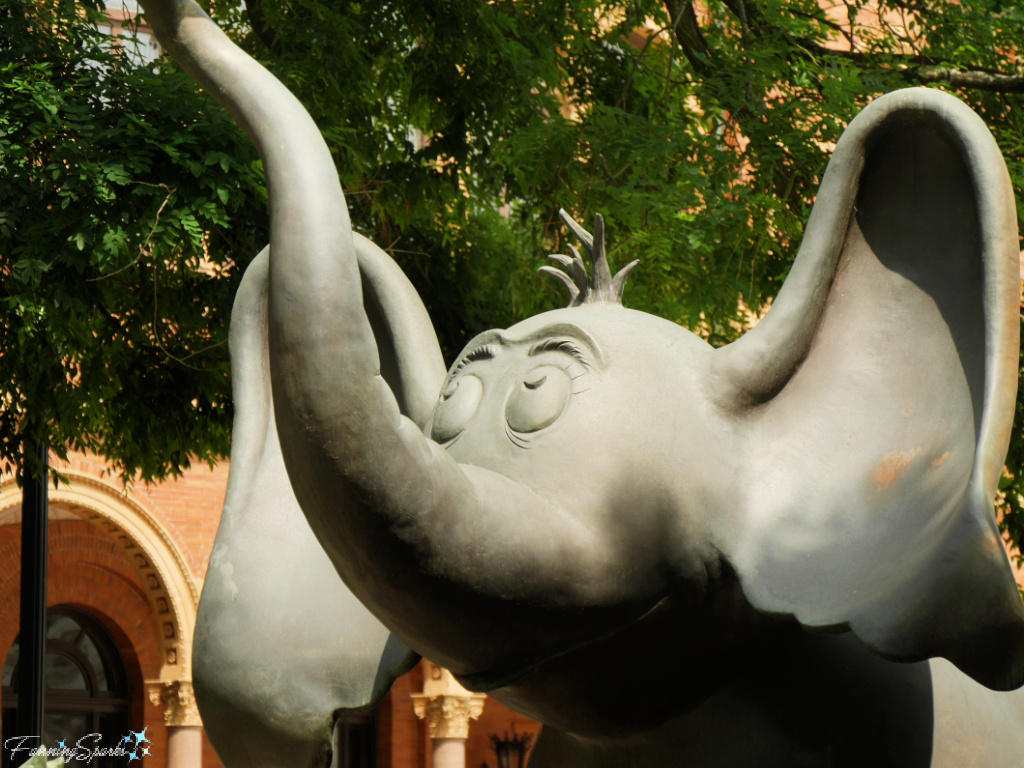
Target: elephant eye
{"type": "Point", "coordinates": [458, 403]}
{"type": "Point", "coordinates": [538, 400]}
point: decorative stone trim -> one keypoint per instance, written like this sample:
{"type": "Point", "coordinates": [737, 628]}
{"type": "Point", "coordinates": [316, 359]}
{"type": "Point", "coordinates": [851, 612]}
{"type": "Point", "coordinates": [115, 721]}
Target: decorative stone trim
{"type": "Point", "coordinates": [170, 589]}
{"type": "Point", "coordinates": [445, 705]}
{"type": "Point", "coordinates": [178, 700]}
{"type": "Point", "coordinates": [448, 716]}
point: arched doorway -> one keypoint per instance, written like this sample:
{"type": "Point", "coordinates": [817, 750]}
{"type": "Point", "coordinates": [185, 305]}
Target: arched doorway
{"type": "Point", "coordinates": [87, 688]}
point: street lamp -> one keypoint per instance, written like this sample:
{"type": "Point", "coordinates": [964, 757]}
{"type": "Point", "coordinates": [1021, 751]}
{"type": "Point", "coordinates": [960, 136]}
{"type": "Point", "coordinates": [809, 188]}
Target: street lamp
{"type": "Point", "coordinates": [511, 751]}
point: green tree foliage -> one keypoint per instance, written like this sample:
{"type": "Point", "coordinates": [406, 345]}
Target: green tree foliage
{"type": "Point", "coordinates": [125, 201]}
{"type": "Point", "coordinates": [700, 132]}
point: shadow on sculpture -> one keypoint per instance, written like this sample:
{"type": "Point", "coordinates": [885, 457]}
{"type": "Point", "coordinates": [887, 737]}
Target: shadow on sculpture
{"type": "Point", "coordinates": [666, 553]}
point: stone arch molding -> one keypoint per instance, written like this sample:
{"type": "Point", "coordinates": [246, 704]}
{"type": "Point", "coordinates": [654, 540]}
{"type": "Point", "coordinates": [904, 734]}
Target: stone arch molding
{"type": "Point", "coordinates": [170, 590]}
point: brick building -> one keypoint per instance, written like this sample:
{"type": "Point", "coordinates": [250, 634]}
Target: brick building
{"type": "Point", "coordinates": [125, 573]}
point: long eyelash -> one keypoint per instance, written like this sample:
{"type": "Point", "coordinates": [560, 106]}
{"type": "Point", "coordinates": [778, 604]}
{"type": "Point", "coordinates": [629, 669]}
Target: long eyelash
{"type": "Point", "coordinates": [483, 352]}
{"type": "Point", "coordinates": [567, 347]}
{"type": "Point", "coordinates": [562, 345]}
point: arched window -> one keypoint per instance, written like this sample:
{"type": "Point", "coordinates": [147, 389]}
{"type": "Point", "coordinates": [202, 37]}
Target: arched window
{"type": "Point", "coordinates": [87, 689]}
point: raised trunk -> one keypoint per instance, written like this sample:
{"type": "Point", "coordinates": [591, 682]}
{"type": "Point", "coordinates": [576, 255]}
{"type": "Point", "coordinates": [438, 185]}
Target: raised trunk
{"type": "Point", "coordinates": [454, 559]}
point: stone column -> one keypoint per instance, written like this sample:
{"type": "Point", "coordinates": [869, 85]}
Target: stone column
{"type": "Point", "coordinates": [184, 727]}
{"type": "Point", "coordinates": [447, 707]}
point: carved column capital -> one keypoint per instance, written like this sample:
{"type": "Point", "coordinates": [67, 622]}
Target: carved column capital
{"type": "Point", "coordinates": [445, 705]}
{"type": "Point", "coordinates": [448, 716]}
{"type": "Point", "coordinates": [178, 700]}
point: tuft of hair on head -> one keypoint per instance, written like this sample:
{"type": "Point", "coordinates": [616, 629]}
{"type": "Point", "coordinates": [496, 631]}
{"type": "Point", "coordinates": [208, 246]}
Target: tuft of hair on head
{"type": "Point", "coordinates": [602, 288]}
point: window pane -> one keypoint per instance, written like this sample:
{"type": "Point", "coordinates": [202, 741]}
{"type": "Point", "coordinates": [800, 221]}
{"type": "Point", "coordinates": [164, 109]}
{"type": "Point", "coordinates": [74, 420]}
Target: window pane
{"type": "Point", "coordinates": [79, 655]}
{"type": "Point", "coordinates": [69, 727]}
{"type": "Point", "coordinates": [61, 672]}
{"type": "Point", "coordinates": [62, 628]}
{"type": "Point", "coordinates": [99, 669]}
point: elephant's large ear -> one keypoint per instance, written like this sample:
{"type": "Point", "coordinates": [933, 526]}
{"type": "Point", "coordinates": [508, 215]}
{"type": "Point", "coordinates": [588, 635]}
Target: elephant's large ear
{"type": "Point", "coordinates": [281, 645]}
{"type": "Point", "coordinates": [879, 391]}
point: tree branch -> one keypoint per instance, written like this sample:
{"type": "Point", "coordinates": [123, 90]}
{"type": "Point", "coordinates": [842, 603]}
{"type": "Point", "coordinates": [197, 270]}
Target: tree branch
{"type": "Point", "coordinates": [750, 15]}
{"type": "Point", "coordinates": [925, 71]}
{"type": "Point", "coordinates": [912, 7]}
{"type": "Point", "coordinates": [958, 78]}
{"type": "Point", "coordinates": [254, 10]}
{"type": "Point", "coordinates": [687, 31]}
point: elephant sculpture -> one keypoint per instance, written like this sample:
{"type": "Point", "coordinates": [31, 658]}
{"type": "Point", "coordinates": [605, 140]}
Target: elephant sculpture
{"type": "Point", "coordinates": [777, 553]}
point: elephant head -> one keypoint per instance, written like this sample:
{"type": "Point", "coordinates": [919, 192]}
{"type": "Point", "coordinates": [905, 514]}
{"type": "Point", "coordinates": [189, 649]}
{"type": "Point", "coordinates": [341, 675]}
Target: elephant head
{"type": "Point", "coordinates": [596, 481]}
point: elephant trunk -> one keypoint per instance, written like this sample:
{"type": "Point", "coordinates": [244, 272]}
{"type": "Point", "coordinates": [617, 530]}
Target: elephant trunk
{"type": "Point", "coordinates": [314, 271]}
{"type": "Point", "coordinates": [324, 362]}
{"type": "Point", "coordinates": [449, 557]}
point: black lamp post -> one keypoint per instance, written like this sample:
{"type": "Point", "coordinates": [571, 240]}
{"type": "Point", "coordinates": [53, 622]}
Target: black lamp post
{"type": "Point", "coordinates": [32, 637]}
{"type": "Point", "coordinates": [511, 751]}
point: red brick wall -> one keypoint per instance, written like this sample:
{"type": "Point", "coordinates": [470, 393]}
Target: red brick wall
{"type": "Point", "coordinates": [87, 571]}
{"type": "Point", "coordinates": [402, 740]}
{"type": "Point", "coordinates": [188, 507]}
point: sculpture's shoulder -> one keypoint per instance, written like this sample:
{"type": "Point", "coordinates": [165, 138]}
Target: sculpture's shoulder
{"type": "Point", "coordinates": [974, 725]}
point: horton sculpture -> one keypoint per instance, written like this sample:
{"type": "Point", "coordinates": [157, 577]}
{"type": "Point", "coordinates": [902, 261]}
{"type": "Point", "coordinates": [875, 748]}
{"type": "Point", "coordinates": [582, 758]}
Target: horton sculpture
{"type": "Point", "coordinates": [668, 554]}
